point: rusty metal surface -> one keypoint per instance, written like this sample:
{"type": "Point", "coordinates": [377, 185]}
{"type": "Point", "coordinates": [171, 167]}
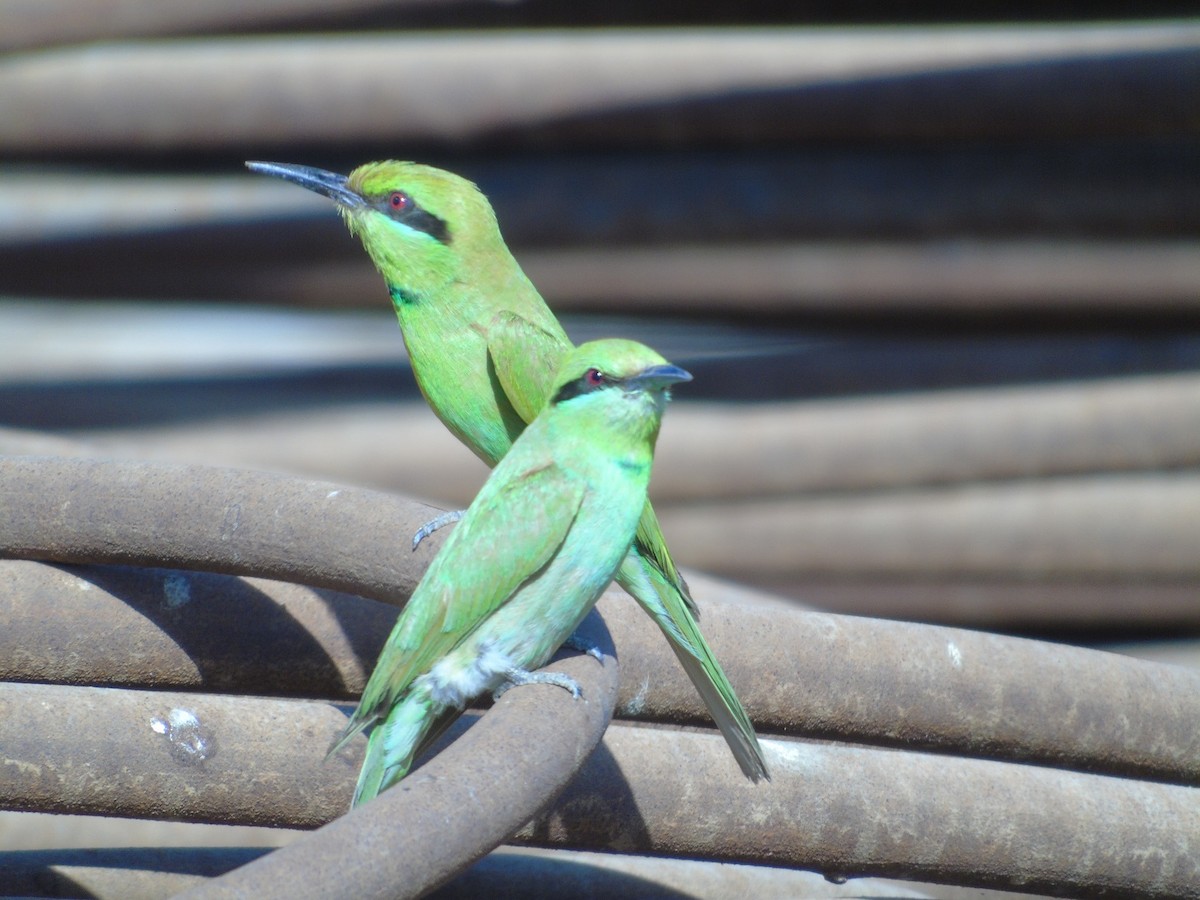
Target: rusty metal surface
{"type": "Point", "coordinates": [923, 686]}
{"type": "Point", "coordinates": [238, 522]}
{"type": "Point", "coordinates": [457, 807]}
{"type": "Point", "coordinates": [713, 86]}
{"type": "Point", "coordinates": [829, 676]}
{"type": "Point", "coordinates": [1116, 606]}
{"type": "Point", "coordinates": [803, 673]}
{"type": "Point", "coordinates": [850, 810]}
{"type": "Point", "coordinates": [168, 628]}
{"type": "Point", "coordinates": [218, 520]}
{"type": "Point", "coordinates": [213, 758]}
{"type": "Point", "coordinates": [170, 755]}
{"type": "Point", "coordinates": [140, 873]}
{"type": "Point", "coordinates": [510, 872]}
{"type": "Point", "coordinates": [839, 809]}
{"type": "Point", "coordinates": [835, 808]}
{"type": "Point", "coordinates": [800, 447]}
{"type": "Point", "coordinates": [1101, 526]}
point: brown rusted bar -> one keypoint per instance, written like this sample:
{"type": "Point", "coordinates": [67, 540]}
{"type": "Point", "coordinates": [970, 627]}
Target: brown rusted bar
{"type": "Point", "coordinates": [933, 437]}
{"type": "Point", "coordinates": [218, 520]}
{"type": "Point", "coordinates": [526, 872]}
{"type": "Point", "coordinates": [169, 755]}
{"type": "Point", "coordinates": [1118, 232]}
{"type": "Point", "coordinates": [849, 810]}
{"type": "Point", "coordinates": [831, 447]}
{"type": "Point", "coordinates": [859, 679]}
{"type": "Point", "coordinates": [805, 673]}
{"type": "Point", "coordinates": [1143, 525]}
{"type": "Point", "coordinates": [871, 276]}
{"type": "Point", "coordinates": [839, 809]}
{"type": "Point", "coordinates": [170, 628]}
{"type": "Point", "coordinates": [210, 758]}
{"type": "Point", "coordinates": [693, 273]}
{"type": "Point", "coordinates": [42, 23]}
{"type": "Point", "coordinates": [505, 770]}
{"type": "Point", "coordinates": [697, 84]}
{"type": "Point", "coordinates": [1013, 605]}
{"type": "Point", "coordinates": [921, 686]}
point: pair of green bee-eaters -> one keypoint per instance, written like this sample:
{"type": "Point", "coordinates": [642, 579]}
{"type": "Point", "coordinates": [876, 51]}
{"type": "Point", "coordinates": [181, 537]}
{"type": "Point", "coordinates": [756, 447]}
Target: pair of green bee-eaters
{"type": "Point", "coordinates": [570, 432]}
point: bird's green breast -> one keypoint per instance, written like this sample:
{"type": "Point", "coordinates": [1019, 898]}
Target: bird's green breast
{"type": "Point", "coordinates": [449, 358]}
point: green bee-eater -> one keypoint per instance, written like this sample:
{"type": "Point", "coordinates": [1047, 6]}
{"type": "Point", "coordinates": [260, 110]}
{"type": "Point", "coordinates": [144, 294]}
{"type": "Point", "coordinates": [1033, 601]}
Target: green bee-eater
{"type": "Point", "coordinates": [484, 349]}
{"type": "Point", "coordinates": [530, 557]}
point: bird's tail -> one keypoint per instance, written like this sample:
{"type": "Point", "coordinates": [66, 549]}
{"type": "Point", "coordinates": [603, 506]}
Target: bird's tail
{"type": "Point", "coordinates": [392, 745]}
{"type": "Point", "coordinates": [672, 609]}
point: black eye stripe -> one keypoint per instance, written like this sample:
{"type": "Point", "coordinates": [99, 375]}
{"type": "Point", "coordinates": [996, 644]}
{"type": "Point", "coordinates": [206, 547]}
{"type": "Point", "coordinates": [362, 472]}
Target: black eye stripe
{"type": "Point", "coordinates": [412, 215]}
{"type": "Point", "coordinates": [584, 384]}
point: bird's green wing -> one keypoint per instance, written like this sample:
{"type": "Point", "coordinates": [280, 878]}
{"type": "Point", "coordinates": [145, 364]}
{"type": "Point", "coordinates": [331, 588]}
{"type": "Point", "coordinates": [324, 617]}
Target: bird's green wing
{"type": "Point", "coordinates": [652, 547]}
{"type": "Point", "coordinates": [516, 533]}
{"type": "Point", "coordinates": [506, 537]}
{"type": "Point", "coordinates": [526, 358]}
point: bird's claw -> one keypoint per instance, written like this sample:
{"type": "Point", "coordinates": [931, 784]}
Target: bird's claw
{"type": "Point", "coordinates": [517, 677]}
{"type": "Point", "coordinates": [576, 642]}
{"type": "Point", "coordinates": [446, 518]}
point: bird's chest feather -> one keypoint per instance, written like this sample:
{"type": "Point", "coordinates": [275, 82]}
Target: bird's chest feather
{"type": "Point", "coordinates": [450, 361]}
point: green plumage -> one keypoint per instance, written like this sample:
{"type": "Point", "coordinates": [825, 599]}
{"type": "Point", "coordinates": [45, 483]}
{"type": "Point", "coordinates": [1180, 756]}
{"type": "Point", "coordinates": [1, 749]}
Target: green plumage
{"type": "Point", "coordinates": [530, 557]}
{"type": "Point", "coordinates": [484, 349]}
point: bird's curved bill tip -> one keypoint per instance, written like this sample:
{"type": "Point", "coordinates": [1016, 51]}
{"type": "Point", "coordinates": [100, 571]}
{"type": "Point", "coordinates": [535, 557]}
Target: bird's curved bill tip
{"type": "Point", "coordinates": [663, 375]}
{"type": "Point", "coordinates": [328, 184]}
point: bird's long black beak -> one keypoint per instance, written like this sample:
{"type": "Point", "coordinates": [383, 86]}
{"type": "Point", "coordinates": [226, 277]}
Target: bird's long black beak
{"type": "Point", "coordinates": [329, 184]}
{"type": "Point", "coordinates": [660, 376]}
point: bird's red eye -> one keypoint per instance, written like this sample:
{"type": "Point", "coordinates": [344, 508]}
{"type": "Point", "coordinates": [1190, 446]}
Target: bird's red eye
{"type": "Point", "coordinates": [399, 201]}
{"type": "Point", "coordinates": [594, 377]}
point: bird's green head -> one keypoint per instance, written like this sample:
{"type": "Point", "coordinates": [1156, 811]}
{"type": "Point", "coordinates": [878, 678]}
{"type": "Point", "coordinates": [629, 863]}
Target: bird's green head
{"type": "Point", "coordinates": [627, 381]}
{"type": "Point", "coordinates": [420, 225]}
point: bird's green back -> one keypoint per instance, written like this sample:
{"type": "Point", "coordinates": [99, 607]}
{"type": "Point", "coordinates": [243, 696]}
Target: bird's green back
{"type": "Point", "coordinates": [483, 346]}
{"type": "Point", "coordinates": [589, 452]}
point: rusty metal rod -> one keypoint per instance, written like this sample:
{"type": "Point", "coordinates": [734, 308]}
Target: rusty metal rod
{"type": "Point", "coordinates": [169, 755]}
{"type": "Point", "coordinates": [859, 679]}
{"type": "Point", "coordinates": [1143, 525]}
{"type": "Point", "coordinates": [675, 270]}
{"type": "Point", "coordinates": [49, 22]}
{"type": "Point", "coordinates": [841, 810]}
{"type": "Point", "coordinates": [853, 811]}
{"type": "Point", "coordinates": [116, 873]}
{"type": "Point", "coordinates": [712, 451]}
{"type": "Point", "coordinates": [921, 686]}
{"type": "Point", "coordinates": [214, 758]}
{"type": "Point", "coordinates": [848, 678]}
{"type": "Point", "coordinates": [1003, 604]}
{"type": "Point", "coordinates": [871, 276]}
{"type": "Point", "coordinates": [218, 520]}
{"type": "Point", "coordinates": [506, 769]}
{"type": "Point", "coordinates": [168, 628]}
{"type": "Point", "coordinates": [681, 84]}
{"type": "Point", "coordinates": [933, 437]}
{"type": "Point", "coordinates": [831, 278]}
{"type": "Point", "coordinates": [859, 221]}
{"type": "Point", "coordinates": [530, 873]}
